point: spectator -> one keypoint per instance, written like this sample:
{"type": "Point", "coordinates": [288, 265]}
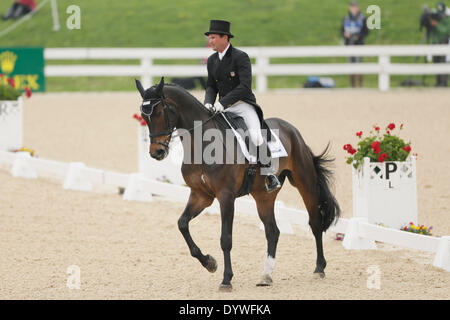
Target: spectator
{"type": "Point", "coordinates": [440, 34]}
{"type": "Point", "coordinates": [354, 30]}
{"type": "Point", "coordinates": [20, 8]}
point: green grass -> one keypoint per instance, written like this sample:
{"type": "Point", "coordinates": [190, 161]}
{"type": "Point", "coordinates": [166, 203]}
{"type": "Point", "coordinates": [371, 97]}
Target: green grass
{"type": "Point", "coordinates": [170, 23]}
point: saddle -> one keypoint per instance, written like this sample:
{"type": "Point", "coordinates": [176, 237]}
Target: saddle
{"type": "Point", "coordinates": [237, 124]}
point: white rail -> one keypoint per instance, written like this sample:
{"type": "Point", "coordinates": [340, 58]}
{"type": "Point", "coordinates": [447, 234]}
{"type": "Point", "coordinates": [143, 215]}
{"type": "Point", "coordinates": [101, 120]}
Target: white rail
{"type": "Point", "coordinates": [262, 68]}
{"type": "Point", "coordinates": [358, 233]}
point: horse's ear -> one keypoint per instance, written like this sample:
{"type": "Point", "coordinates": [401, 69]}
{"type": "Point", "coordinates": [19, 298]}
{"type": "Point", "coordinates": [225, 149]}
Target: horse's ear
{"type": "Point", "coordinates": [140, 87]}
{"type": "Point", "coordinates": [159, 88]}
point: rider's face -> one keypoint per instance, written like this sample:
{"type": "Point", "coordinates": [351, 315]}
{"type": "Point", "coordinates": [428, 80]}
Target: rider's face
{"type": "Point", "coordinates": [217, 42]}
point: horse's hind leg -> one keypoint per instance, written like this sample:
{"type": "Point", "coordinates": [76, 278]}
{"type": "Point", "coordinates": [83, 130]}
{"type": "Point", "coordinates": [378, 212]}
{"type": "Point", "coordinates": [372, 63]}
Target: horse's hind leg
{"type": "Point", "coordinates": [265, 203]}
{"type": "Point", "coordinates": [308, 190]}
{"type": "Point", "coordinates": [195, 205]}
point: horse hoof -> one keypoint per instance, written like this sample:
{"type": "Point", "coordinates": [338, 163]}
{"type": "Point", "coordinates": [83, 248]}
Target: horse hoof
{"type": "Point", "coordinates": [319, 275]}
{"type": "Point", "coordinates": [211, 264]}
{"type": "Point", "coordinates": [225, 287]}
{"type": "Point", "coordinates": [266, 281]}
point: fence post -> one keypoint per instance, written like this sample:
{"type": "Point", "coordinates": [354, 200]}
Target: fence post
{"type": "Point", "coordinates": [352, 240]}
{"type": "Point", "coordinates": [55, 15]}
{"type": "Point", "coordinates": [383, 76]}
{"type": "Point", "coordinates": [146, 78]}
{"type": "Point", "coordinates": [262, 62]}
{"type": "Point", "coordinates": [442, 257]}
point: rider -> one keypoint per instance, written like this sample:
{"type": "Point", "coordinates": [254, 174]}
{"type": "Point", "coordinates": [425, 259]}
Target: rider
{"type": "Point", "coordinates": [230, 76]}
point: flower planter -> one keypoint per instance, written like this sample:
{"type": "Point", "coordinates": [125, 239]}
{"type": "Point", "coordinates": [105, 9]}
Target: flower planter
{"type": "Point", "coordinates": [386, 192]}
{"type": "Point", "coordinates": [168, 169]}
{"type": "Point", "coordinates": [11, 124]}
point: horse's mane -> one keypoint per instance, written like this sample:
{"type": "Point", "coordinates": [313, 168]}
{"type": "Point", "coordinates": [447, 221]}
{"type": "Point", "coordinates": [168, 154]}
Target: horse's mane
{"type": "Point", "coordinates": [182, 92]}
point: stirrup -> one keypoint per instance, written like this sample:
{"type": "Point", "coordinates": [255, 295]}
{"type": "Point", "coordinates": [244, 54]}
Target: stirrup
{"type": "Point", "coordinates": [272, 183]}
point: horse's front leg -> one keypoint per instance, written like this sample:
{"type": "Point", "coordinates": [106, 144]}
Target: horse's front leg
{"type": "Point", "coordinates": [226, 201]}
{"type": "Point", "coordinates": [195, 205]}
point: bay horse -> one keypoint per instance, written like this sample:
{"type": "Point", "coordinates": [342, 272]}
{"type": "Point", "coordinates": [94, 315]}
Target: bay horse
{"type": "Point", "coordinates": [169, 107]}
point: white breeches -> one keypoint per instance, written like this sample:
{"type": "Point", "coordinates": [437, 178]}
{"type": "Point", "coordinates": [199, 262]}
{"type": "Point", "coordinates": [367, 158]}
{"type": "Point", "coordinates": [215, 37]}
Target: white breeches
{"type": "Point", "coordinates": [248, 113]}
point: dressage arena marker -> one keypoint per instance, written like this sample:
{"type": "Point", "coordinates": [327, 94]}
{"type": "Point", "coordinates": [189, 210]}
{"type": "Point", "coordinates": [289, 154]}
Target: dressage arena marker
{"type": "Point", "coordinates": [11, 124]}
{"type": "Point", "coordinates": [356, 230]}
{"type": "Point", "coordinates": [386, 192]}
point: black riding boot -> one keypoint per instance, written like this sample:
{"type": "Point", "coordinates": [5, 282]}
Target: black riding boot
{"type": "Point", "coordinates": [264, 160]}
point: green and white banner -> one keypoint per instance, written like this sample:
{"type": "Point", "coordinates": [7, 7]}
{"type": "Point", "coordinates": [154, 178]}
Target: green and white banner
{"type": "Point", "coordinates": [25, 66]}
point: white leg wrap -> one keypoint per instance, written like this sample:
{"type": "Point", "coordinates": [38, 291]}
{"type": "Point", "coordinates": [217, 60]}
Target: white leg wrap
{"type": "Point", "coordinates": [269, 265]}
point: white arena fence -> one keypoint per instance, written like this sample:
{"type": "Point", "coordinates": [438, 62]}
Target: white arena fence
{"type": "Point", "coordinates": [359, 234]}
{"type": "Point", "coordinates": [262, 68]}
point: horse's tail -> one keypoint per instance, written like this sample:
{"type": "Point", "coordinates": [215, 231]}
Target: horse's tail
{"type": "Point", "coordinates": [328, 206]}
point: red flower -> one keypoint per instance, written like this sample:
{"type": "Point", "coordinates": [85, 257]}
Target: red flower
{"type": "Point", "coordinates": [375, 144]}
{"type": "Point", "coordinates": [143, 123]}
{"type": "Point", "coordinates": [377, 128]}
{"type": "Point", "coordinates": [376, 147]}
{"type": "Point", "coordinates": [28, 92]}
{"type": "Point", "coordinates": [349, 149]}
{"type": "Point", "coordinates": [135, 116]}
{"type": "Point", "coordinates": [382, 157]}
{"type": "Point", "coordinates": [359, 134]}
{"type": "Point", "coordinates": [347, 146]}
{"type": "Point", "coordinates": [391, 126]}
{"type": "Point", "coordinates": [407, 148]}
{"type": "Point", "coordinates": [11, 82]}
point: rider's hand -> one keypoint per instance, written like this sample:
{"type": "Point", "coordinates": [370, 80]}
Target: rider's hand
{"type": "Point", "coordinates": [218, 107]}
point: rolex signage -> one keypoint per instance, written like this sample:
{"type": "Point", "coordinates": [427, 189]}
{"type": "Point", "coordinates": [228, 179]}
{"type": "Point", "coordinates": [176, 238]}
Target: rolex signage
{"type": "Point", "coordinates": [25, 66]}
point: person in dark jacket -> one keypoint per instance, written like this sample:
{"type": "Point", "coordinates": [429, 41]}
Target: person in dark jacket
{"type": "Point", "coordinates": [440, 34]}
{"type": "Point", "coordinates": [230, 77]}
{"type": "Point", "coordinates": [354, 31]}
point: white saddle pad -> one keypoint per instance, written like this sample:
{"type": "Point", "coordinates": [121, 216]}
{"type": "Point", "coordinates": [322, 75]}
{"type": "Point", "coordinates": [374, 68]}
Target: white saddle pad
{"type": "Point", "coordinates": [276, 147]}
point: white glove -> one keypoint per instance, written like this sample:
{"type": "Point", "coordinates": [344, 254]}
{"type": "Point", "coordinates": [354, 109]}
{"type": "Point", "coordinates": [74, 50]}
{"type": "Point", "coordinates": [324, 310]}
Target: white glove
{"type": "Point", "coordinates": [218, 107]}
{"type": "Point", "coordinates": [208, 105]}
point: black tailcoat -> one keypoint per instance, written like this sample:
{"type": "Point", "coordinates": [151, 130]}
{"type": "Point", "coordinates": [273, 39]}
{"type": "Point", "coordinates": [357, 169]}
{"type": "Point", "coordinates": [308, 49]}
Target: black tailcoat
{"type": "Point", "coordinates": [231, 78]}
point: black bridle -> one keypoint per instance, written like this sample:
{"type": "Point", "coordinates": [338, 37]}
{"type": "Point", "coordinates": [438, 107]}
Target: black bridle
{"type": "Point", "coordinates": [147, 107]}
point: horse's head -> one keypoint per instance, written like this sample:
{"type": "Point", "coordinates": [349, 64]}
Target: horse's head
{"type": "Point", "coordinates": [161, 118]}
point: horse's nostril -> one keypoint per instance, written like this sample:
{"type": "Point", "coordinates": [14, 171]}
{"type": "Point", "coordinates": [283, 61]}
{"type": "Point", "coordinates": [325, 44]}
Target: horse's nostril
{"type": "Point", "coordinates": [159, 154]}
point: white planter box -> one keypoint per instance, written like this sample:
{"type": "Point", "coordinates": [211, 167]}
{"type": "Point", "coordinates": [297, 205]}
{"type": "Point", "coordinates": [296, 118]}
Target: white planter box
{"type": "Point", "coordinates": [167, 169]}
{"type": "Point", "coordinates": [11, 125]}
{"type": "Point", "coordinates": [386, 192]}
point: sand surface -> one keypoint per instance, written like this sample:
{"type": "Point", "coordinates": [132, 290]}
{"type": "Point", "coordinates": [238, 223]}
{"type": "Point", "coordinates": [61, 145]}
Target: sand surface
{"type": "Point", "coordinates": [131, 250]}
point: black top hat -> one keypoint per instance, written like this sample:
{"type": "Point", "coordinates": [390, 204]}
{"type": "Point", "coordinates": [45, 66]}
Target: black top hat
{"type": "Point", "coordinates": [219, 27]}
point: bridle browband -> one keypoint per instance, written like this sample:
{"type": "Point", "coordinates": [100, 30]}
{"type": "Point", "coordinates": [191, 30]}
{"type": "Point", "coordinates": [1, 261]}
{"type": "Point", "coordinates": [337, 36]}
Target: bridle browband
{"type": "Point", "coordinates": [147, 107]}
